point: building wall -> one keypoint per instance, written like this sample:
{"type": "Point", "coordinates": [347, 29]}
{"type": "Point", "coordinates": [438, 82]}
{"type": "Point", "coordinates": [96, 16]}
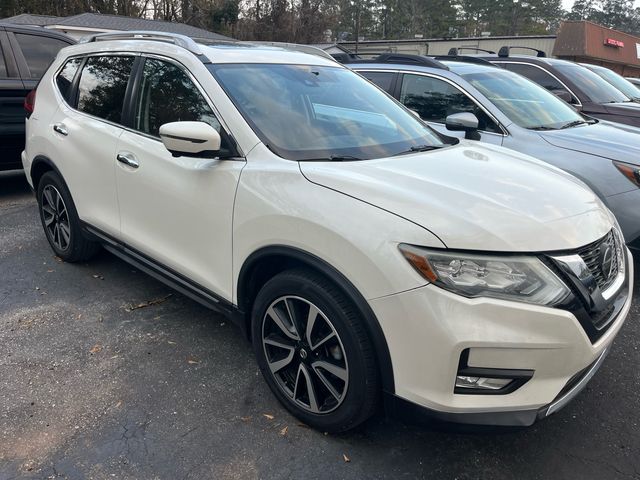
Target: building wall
{"type": "Point", "coordinates": [441, 47]}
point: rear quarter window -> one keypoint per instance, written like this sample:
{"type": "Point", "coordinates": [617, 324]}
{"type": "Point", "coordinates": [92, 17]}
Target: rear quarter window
{"type": "Point", "coordinates": [64, 79]}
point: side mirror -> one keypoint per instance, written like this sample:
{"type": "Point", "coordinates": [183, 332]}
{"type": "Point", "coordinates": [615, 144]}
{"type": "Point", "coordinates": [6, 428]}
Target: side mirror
{"type": "Point", "coordinates": [464, 122]}
{"type": "Point", "coordinates": [190, 139]}
{"type": "Point", "coordinates": [562, 95]}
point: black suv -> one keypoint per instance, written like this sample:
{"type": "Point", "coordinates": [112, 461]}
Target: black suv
{"type": "Point", "coordinates": [579, 86]}
{"type": "Point", "coordinates": [25, 54]}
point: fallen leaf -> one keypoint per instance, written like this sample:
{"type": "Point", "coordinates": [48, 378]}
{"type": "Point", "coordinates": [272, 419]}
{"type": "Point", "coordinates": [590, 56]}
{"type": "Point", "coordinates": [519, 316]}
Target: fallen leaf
{"type": "Point", "coordinates": [96, 348]}
{"type": "Point", "coordinates": [346, 459]}
{"type": "Point", "coordinates": [119, 403]}
{"type": "Point", "coordinates": [170, 342]}
{"type": "Point", "coordinates": [79, 316]}
{"type": "Point", "coordinates": [192, 360]}
{"type": "Point", "coordinates": [268, 416]}
{"type": "Point", "coordinates": [245, 419]}
{"type": "Point", "coordinates": [99, 277]}
{"type": "Point", "coordinates": [284, 431]}
{"type": "Point", "coordinates": [50, 271]}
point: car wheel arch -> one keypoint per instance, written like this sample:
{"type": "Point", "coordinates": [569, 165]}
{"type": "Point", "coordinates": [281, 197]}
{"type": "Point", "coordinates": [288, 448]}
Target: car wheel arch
{"type": "Point", "coordinates": [39, 167]}
{"type": "Point", "coordinates": [264, 263]}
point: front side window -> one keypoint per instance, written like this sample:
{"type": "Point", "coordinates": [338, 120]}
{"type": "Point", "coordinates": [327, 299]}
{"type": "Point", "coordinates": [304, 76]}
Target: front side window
{"type": "Point", "coordinates": [102, 86]}
{"type": "Point", "coordinates": [621, 83]}
{"type": "Point", "coordinates": [39, 51]}
{"type": "Point", "coordinates": [525, 103]}
{"type": "Point", "coordinates": [383, 79]}
{"type": "Point", "coordinates": [434, 100]}
{"type": "Point", "coordinates": [168, 95]}
{"type": "Point", "coordinates": [64, 79]}
{"type": "Point", "coordinates": [304, 112]}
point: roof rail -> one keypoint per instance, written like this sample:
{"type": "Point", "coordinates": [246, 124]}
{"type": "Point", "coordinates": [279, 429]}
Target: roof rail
{"type": "Point", "coordinates": [455, 50]}
{"type": "Point", "coordinates": [403, 59]}
{"type": "Point", "coordinates": [504, 51]}
{"type": "Point", "coordinates": [296, 47]}
{"type": "Point", "coordinates": [177, 39]}
{"type": "Point", "coordinates": [464, 59]}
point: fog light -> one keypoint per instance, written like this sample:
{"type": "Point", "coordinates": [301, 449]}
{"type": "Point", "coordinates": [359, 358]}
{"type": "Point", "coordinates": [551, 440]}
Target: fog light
{"type": "Point", "coordinates": [482, 383]}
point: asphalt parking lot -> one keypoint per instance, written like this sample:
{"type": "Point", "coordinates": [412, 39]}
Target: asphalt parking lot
{"type": "Point", "coordinates": [106, 373]}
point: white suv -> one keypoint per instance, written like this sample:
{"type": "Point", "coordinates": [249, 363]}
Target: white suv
{"type": "Point", "coordinates": [364, 255]}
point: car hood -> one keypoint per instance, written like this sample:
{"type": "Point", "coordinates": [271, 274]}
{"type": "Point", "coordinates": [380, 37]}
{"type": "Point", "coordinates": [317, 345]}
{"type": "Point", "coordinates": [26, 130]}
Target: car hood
{"type": "Point", "coordinates": [629, 109]}
{"type": "Point", "coordinates": [604, 139]}
{"type": "Point", "coordinates": [476, 197]}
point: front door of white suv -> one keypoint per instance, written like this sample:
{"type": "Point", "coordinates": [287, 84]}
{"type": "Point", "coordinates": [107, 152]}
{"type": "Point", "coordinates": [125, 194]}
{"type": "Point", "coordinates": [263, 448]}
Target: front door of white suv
{"type": "Point", "coordinates": [176, 210]}
{"type": "Point", "coordinates": [86, 131]}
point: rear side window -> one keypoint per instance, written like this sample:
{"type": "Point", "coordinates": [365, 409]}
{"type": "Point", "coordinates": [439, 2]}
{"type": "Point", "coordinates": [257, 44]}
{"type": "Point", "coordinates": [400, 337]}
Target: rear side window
{"type": "Point", "coordinates": [434, 100]}
{"type": "Point", "coordinates": [383, 79]}
{"type": "Point", "coordinates": [39, 51]}
{"type": "Point", "coordinates": [536, 74]}
{"type": "Point", "coordinates": [102, 86]}
{"type": "Point", "coordinates": [66, 76]}
{"type": "Point", "coordinates": [168, 95]}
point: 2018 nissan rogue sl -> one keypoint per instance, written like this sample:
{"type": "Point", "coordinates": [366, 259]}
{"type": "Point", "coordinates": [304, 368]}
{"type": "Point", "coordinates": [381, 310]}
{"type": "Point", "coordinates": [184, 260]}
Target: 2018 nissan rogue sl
{"type": "Point", "coordinates": [365, 255]}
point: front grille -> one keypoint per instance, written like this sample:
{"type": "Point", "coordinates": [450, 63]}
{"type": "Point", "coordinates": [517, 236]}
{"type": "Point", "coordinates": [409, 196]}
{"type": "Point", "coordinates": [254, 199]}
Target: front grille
{"type": "Point", "coordinates": [592, 256]}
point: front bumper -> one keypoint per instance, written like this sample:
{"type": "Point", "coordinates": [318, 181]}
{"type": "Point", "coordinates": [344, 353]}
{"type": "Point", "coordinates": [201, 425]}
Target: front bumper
{"type": "Point", "coordinates": [428, 328]}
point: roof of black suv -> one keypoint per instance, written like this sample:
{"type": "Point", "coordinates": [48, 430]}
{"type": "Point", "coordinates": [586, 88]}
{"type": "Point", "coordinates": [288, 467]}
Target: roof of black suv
{"type": "Point", "coordinates": [39, 30]}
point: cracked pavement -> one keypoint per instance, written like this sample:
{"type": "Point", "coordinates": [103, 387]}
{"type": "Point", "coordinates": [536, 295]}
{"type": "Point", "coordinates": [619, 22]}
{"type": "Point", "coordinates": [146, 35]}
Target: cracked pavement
{"type": "Point", "coordinates": [90, 388]}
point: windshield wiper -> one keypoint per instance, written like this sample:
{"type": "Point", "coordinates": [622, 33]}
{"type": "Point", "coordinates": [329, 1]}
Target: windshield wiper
{"type": "Point", "coordinates": [541, 127]}
{"type": "Point", "coordinates": [419, 148]}
{"type": "Point", "coordinates": [333, 158]}
{"type": "Point", "coordinates": [575, 123]}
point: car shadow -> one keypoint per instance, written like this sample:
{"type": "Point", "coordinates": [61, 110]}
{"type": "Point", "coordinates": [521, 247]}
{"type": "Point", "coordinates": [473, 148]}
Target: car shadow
{"type": "Point", "coordinates": [13, 183]}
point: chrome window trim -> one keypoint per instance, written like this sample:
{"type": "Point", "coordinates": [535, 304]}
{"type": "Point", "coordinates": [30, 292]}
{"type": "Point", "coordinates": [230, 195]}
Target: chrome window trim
{"type": "Point", "coordinates": [579, 104]}
{"type": "Point", "coordinates": [504, 133]}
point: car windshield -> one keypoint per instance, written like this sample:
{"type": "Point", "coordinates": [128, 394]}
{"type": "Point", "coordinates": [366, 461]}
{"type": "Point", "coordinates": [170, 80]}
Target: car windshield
{"type": "Point", "coordinates": [306, 112]}
{"type": "Point", "coordinates": [524, 102]}
{"type": "Point", "coordinates": [621, 83]}
{"type": "Point", "coordinates": [594, 86]}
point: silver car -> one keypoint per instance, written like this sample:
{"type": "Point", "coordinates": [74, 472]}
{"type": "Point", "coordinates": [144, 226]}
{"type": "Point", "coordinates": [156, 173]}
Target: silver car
{"type": "Point", "coordinates": [493, 105]}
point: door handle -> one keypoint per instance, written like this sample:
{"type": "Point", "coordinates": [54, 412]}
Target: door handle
{"type": "Point", "coordinates": [128, 159]}
{"type": "Point", "coordinates": [61, 129]}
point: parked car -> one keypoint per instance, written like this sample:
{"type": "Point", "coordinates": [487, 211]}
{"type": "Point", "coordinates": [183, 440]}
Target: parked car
{"type": "Point", "coordinates": [362, 252]}
{"type": "Point", "coordinates": [634, 81]}
{"type": "Point", "coordinates": [511, 111]}
{"type": "Point", "coordinates": [579, 86]}
{"type": "Point", "coordinates": [618, 81]}
{"type": "Point", "coordinates": [25, 54]}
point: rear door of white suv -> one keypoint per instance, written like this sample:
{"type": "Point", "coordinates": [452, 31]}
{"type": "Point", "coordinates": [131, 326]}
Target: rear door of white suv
{"type": "Point", "coordinates": [176, 210]}
{"type": "Point", "coordinates": [86, 128]}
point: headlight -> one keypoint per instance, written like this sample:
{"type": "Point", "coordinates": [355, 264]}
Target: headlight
{"type": "Point", "coordinates": [517, 278]}
{"type": "Point", "coordinates": [632, 172]}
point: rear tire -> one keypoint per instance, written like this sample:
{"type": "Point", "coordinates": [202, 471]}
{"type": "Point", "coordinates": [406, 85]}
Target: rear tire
{"type": "Point", "coordinates": [325, 375]}
{"type": "Point", "coordinates": [60, 221]}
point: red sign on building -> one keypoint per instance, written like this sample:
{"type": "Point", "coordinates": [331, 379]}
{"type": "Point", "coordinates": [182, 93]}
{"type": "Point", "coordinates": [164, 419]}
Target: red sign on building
{"type": "Point", "coordinates": [612, 42]}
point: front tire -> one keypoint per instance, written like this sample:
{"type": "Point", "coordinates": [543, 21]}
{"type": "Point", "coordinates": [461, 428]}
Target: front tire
{"type": "Point", "coordinates": [60, 221]}
{"type": "Point", "coordinates": [313, 351]}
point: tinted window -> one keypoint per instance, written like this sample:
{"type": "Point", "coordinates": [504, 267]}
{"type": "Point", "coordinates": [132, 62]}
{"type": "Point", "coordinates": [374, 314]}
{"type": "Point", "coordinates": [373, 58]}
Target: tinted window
{"type": "Point", "coordinates": [168, 95]}
{"type": "Point", "coordinates": [103, 84]}
{"type": "Point", "coordinates": [594, 86]}
{"type": "Point", "coordinates": [65, 77]}
{"type": "Point", "coordinates": [383, 79]}
{"type": "Point", "coordinates": [434, 100]}
{"type": "Point", "coordinates": [536, 74]}
{"type": "Point", "coordinates": [39, 51]}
